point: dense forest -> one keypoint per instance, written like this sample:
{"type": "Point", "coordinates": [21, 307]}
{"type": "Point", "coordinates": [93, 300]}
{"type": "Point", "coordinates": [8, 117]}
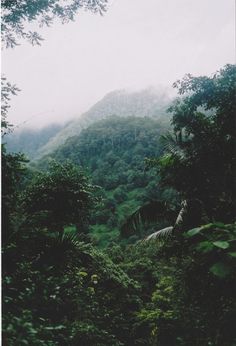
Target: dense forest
{"type": "Point", "coordinates": [117, 145]}
{"type": "Point", "coordinates": [125, 234]}
{"type": "Point", "coordinates": [151, 102]}
{"type": "Point", "coordinates": [121, 231]}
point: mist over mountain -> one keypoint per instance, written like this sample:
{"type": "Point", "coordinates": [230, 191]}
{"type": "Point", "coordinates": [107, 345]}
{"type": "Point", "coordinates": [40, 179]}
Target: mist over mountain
{"type": "Point", "coordinates": [151, 102]}
{"type": "Point", "coordinates": [29, 141]}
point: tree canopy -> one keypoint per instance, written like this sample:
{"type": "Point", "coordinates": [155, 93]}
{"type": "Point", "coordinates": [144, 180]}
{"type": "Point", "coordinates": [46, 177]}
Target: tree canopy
{"type": "Point", "coordinates": [16, 14]}
{"type": "Point", "coordinates": [199, 161]}
{"type": "Point", "coordinates": [60, 197]}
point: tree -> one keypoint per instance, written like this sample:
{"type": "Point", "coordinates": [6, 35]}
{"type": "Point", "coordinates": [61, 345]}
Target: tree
{"type": "Point", "coordinates": [13, 171]}
{"type": "Point", "coordinates": [15, 14]}
{"type": "Point", "coordinates": [12, 166]}
{"type": "Point", "coordinates": [7, 90]}
{"type": "Point", "coordinates": [59, 197]}
{"type": "Point", "coordinates": [199, 161]}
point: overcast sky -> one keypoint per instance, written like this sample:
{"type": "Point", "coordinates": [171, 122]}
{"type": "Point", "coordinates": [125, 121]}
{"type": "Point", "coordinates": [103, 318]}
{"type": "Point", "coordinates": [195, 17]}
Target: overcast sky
{"type": "Point", "coordinates": [135, 44]}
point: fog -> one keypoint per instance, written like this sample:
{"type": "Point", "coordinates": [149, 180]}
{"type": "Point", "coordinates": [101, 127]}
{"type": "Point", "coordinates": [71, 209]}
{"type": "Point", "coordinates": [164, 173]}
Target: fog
{"type": "Point", "coordinates": [136, 44]}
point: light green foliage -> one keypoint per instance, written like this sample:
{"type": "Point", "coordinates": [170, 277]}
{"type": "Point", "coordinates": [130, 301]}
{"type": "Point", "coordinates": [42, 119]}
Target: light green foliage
{"type": "Point", "coordinates": [159, 313]}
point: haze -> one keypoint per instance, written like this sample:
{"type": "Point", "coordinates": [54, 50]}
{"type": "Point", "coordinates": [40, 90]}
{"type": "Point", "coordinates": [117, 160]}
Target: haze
{"type": "Point", "coordinates": [135, 44]}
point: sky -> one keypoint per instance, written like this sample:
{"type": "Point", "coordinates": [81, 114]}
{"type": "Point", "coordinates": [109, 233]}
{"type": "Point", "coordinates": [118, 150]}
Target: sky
{"type": "Point", "coordinates": [136, 44]}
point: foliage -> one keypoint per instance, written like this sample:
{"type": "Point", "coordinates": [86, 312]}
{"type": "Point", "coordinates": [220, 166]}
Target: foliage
{"type": "Point", "coordinates": [187, 286]}
{"type": "Point", "coordinates": [78, 298]}
{"type": "Point", "coordinates": [15, 15]}
{"type": "Point", "coordinates": [59, 289]}
{"type": "Point", "coordinates": [203, 149]}
{"type": "Point", "coordinates": [7, 90]}
{"type": "Point", "coordinates": [156, 214]}
{"type": "Point", "coordinates": [113, 151]}
{"type": "Point", "coordinates": [119, 103]}
{"type": "Point", "coordinates": [13, 171]}
{"type": "Point", "coordinates": [59, 197]}
{"type": "Point", "coordinates": [219, 239]}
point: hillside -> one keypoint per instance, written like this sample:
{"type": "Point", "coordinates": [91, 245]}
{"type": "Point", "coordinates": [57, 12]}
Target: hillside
{"type": "Point", "coordinates": [29, 141]}
{"type": "Point", "coordinates": [149, 102]}
{"type": "Point", "coordinates": [149, 257]}
{"type": "Point", "coordinates": [113, 151]}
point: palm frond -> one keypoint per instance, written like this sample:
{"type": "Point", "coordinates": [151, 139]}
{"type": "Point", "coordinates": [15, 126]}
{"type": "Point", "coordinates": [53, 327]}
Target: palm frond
{"type": "Point", "coordinates": [162, 234]}
{"type": "Point", "coordinates": [69, 239]}
{"type": "Point", "coordinates": [172, 145]}
{"type": "Point", "coordinates": [152, 212]}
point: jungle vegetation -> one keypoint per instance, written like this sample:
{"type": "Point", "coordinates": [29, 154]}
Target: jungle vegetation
{"type": "Point", "coordinates": [125, 234]}
{"type": "Point", "coordinates": [64, 285]}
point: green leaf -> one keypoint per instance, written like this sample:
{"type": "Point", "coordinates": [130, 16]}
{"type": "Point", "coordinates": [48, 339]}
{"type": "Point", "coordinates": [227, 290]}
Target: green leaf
{"type": "Point", "coordinates": [83, 273]}
{"type": "Point", "coordinates": [220, 269]}
{"type": "Point", "coordinates": [219, 224]}
{"type": "Point", "coordinates": [232, 254]}
{"type": "Point", "coordinates": [194, 231]}
{"type": "Point", "coordinates": [55, 328]}
{"type": "Point", "coordinates": [221, 244]}
{"type": "Point", "coordinates": [208, 225]}
{"type": "Point", "coordinates": [205, 246]}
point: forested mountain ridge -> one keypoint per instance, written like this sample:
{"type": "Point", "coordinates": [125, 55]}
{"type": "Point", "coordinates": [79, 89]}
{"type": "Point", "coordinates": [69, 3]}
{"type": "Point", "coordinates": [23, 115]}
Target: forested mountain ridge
{"type": "Point", "coordinates": [174, 289]}
{"type": "Point", "coordinates": [148, 102]}
{"type": "Point", "coordinates": [113, 151]}
{"type": "Point", "coordinates": [124, 234]}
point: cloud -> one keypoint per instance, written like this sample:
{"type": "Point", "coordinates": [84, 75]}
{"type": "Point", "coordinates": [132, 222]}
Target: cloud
{"type": "Point", "coordinates": [135, 44]}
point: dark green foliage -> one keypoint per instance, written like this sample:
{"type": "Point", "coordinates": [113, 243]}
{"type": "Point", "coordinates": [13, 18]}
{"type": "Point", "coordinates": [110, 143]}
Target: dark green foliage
{"type": "Point", "coordinates": [209, 280]}
{"type": "Point", "coordinates": [78, 298]}
{"type": "Point", "coordinates": [187, 286]}
{"type": "Point", "coordinates": [113, 151]}
{"type": "Point", "coordinates": [155, 213]}
{"type": "Point", "coordinates": [178, 290]}
{"type": "Point", "coordinates": [59, 197]}
{"type": "Point", "coordinates": [13, 171]}
{"type": "Point", "coordinates": [200, 160]}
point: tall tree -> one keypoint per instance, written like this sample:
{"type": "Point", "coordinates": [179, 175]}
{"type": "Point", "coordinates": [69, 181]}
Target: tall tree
{"type": "Point", "coordinates": [200, 158]}
{"type": "Point", "coordinates": [59, 197]}
{"type": "Point", "coordinates": [199, 161]}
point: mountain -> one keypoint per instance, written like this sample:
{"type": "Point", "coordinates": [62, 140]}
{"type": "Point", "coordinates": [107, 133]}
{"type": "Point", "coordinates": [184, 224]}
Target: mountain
{"type": "Point", "coordinates": [113, 152]}
{"type": "Point", "coordinates": [29, 141]}
{"type": "Point", "coordinates": [149, 102]}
